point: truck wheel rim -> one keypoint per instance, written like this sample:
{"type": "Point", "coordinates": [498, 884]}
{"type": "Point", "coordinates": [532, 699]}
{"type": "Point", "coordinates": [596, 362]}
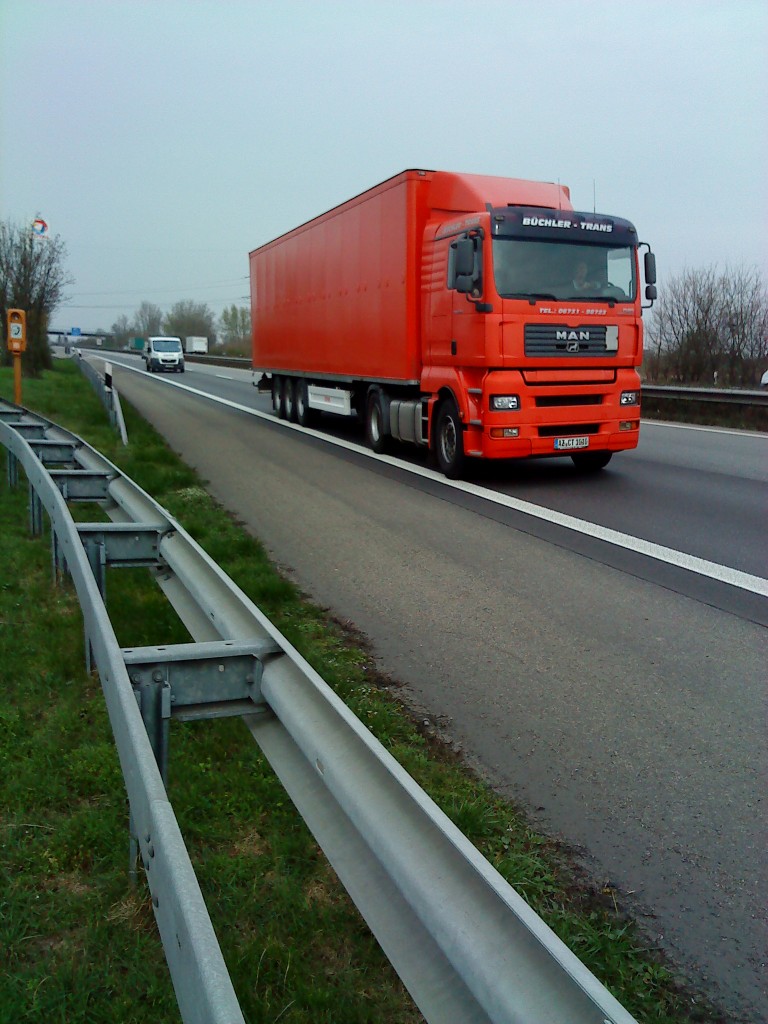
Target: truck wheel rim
{"type": "Point", "coordinates": [375, 425]}
{"type": "Point", "coordinates": [448, 440]}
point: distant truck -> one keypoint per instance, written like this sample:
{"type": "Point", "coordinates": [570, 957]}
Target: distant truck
{"type": "Point", "coordinates": [479, 316]}
{"type": "Point", "coordinates": [164, 353]}
{"type": "Point", "coordinates": [196, 344]}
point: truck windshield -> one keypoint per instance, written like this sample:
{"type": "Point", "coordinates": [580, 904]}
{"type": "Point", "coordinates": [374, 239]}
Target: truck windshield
{"type": "Point", "coordinates": [532, 268]}
{"type": "Point", "coordinates": [168, 345]}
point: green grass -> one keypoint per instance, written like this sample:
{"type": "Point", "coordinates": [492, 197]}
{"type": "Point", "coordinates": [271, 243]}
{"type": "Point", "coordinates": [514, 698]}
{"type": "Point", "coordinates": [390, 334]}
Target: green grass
{"type": "Point", "coordinates": [80, 944]}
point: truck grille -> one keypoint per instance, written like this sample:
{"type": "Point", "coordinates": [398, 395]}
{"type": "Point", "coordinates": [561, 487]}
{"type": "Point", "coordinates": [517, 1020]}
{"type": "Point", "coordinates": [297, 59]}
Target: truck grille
{"type": "Point", "coordinates": [570, 342]}
{"type": "Point", "coordinates": [569, 429]}
{"type": "Point", "coordinates": [557, 401]}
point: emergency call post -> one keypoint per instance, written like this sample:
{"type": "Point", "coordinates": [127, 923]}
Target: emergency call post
{"type": "Point", "coordinates": [17, 331]}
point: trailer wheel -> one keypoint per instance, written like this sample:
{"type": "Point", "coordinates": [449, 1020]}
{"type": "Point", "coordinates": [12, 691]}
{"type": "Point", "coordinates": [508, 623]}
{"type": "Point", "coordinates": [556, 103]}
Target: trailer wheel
{"type": "Point", "coordinates": [305, 416]}
{"type": "Point", "coordinates": [449, 440]}
{"type": "Point", "coordinates": [375, 423]}
{"type": "Point", "coordinates": [591, 462]}
{"type": "Point", "coordinates": [277, 394]}
{"type": "Point", "coordinates": [289, 399]}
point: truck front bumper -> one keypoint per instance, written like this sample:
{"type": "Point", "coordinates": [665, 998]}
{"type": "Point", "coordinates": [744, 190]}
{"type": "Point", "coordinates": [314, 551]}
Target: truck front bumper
{"type": "Point", "coordinates": [559, 419]}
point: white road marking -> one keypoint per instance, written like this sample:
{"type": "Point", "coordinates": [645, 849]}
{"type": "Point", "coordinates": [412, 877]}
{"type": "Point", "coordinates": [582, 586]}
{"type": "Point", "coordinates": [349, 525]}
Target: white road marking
{"type": "Point", "coordinates": [712, 570]}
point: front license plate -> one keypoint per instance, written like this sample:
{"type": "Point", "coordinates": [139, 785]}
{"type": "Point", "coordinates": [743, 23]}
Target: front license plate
{"type": "Point", "coordinates": [567, 443]}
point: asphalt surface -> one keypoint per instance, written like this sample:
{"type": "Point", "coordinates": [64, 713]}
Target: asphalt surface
{"type": "Point", "coordinates": [624, 710]}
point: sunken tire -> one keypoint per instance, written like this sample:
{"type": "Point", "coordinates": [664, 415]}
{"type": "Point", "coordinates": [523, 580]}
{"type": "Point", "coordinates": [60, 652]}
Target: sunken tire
{"type": "Point", "coordinates": [376, 415]}
{"type": "Point", "coordinates": [449, 440]}
{"type": "Point", "coordinates": [591, 462]}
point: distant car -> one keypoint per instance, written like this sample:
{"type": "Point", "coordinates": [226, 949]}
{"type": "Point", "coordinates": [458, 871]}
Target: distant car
{"type": "Point", "coordinates": [164, 354]}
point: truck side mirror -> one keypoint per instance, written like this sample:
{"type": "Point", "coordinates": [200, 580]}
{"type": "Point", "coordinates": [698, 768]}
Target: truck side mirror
{"type": "Point", "coordinates": [650, 292]}
{"type": "Point", "coordinates": [650, 269]}
{"type": "Point", "coordinates": [465, 259]}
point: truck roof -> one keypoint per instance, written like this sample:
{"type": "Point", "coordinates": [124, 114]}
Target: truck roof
{"type": "Point", "coordinates": [453, 191]}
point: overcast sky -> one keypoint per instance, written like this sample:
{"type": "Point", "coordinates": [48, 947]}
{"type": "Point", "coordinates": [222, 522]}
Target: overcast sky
{"type": "Point", "coordinates": [164, 139]}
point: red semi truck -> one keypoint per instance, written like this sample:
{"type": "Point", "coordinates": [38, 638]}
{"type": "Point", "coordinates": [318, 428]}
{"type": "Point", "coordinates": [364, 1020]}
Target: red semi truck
{"type": "Point", "coordinates": [480, 316]}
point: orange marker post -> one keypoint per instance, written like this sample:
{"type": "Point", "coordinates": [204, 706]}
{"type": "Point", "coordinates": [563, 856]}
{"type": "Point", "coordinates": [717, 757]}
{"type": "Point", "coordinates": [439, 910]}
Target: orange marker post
{"type": "Point", "coordinates": [17, 343]}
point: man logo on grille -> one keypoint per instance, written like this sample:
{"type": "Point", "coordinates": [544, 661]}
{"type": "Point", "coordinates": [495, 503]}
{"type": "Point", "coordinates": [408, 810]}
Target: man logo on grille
{"type": "Point", "coordinates": [572, 346]}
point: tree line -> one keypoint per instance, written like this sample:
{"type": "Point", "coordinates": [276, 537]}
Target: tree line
{"type": "Point", "coordinates": [34, 277]}
{"type": "Point", "coordinates": [186, 319]}
{"type": "Point", "coordinates": [709, 328]}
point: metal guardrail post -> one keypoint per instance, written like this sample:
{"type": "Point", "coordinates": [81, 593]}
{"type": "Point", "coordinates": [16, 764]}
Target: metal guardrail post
{"type": "Point", "coordinates": [108, 394]}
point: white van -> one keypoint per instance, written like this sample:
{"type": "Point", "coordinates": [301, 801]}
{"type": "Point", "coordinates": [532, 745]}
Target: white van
{"type": "Point", "coordinates": [164, 354]}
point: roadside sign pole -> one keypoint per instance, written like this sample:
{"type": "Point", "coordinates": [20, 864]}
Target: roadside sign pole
{"type": "Point", "coordinates": [17, 378]}
{"type": "Point", "coordinates": [17, 343]}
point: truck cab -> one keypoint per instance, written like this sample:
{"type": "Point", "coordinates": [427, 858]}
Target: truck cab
{"type": "Point", "coordinates": [538, 334]}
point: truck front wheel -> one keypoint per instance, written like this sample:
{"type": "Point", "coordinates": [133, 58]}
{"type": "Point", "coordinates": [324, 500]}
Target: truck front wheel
{"type": "Point", "coordinates": [591, 462]}
{"type": "Point", "coordinates": [449, 440]}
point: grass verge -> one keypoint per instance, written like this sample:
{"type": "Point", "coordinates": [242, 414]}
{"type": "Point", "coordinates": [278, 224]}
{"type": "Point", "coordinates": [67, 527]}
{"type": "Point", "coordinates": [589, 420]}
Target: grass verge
{"type": "Point", "coordinates": [80, 944]}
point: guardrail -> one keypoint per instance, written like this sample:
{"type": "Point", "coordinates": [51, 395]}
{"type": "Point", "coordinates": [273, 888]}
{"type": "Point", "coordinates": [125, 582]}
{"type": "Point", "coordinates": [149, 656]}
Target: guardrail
{"type": "Point", "coordinates": [102, 385]}
{"type": "Point", "coordinates": [463, 941]}
{"type": "Point", "coordinates": [685, 394]}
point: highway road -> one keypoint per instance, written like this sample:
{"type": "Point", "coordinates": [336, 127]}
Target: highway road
{"type": "Point", "coordinates": [595, 645]}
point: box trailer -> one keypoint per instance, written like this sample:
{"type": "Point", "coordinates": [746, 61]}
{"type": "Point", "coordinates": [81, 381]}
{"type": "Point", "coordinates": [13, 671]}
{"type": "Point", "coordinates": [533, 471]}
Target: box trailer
{"type": "Point", "coordinates": [480, 316]}
{"type": "Point", "coordinates": [196, 345]}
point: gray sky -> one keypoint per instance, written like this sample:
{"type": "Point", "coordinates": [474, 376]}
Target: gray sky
{"type": "Point", "coordinates": [164, 139]}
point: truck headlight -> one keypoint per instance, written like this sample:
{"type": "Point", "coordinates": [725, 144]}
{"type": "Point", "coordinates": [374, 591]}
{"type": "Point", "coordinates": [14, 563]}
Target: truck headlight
{"type": "Point", "coordinates": [630, 398]}
{"type": "Point", "coordinates": [503, 403]}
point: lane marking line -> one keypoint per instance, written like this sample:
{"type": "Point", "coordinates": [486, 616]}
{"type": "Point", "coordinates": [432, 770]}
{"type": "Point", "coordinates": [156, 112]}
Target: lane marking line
{"type": "Point", "coordinates": [712, 570]}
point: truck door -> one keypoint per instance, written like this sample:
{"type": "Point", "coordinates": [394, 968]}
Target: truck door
{"type": "Point", "coordinates": [465, 276]}
{"type": "Point", "coordinates": [439, 302]}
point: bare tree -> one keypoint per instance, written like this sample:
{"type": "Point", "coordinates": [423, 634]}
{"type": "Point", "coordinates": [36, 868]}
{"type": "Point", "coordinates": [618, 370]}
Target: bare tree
{"type": "Point", "coordinates": [745, 326]}
{"type": "Point", "coordinates": [148, 320]}
{"type": "Point", "coordinates": [32, 278]}
{"type": "Point", "coordinates": [189, 318]}
{"type": "Point", "coordinates": [123, 329]}
{"type": "Point", "coordinates": [710, 328]}
{"type": "Point", "coordinates": [235, 326]}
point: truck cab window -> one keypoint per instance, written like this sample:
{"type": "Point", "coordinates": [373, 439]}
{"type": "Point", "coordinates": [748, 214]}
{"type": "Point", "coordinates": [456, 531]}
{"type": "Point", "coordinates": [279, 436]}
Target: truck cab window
{"type": "Point", "coordinates": [563, 270]}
